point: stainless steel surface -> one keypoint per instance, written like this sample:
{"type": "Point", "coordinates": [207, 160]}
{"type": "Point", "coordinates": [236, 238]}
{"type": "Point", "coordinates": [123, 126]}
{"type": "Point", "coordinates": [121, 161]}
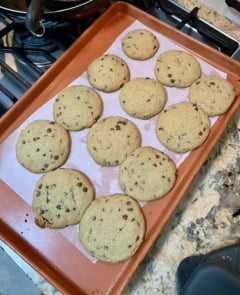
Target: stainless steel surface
{"type": "Point", "coordinates": [13, 280]}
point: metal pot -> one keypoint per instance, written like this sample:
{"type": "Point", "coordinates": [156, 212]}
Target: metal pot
{"type": "Point", "coordinates": [37, 12]}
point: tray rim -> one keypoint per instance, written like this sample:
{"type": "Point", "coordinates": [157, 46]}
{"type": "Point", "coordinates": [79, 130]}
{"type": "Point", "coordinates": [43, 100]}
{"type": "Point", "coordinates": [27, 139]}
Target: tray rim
{"type": "Point", "coordinates": [122, 7]}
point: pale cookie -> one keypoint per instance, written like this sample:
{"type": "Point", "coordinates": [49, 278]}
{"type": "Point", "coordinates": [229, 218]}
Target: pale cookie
{"type": "Point", "coordinates": [112, 228]}
{"type": "Point", "coordinates": [77, 107]}
{"type": "Point", "coordinates": [147, 174]}
{"type": "Point", "coordinates": [143, 97]}
{"type": "Point", "coordinates": [42, 146]}
{"type": "Point", "coordinates": [108, 73]}
{"type": "Point", "coordinates": [182, 127]}
{"type": "Point", "coordinates": [112, 139]}
{"type": "Point", "coordinates": [213, 94]}
{"type": "Point", "coordinates": [61, 197]}
{"type": "Point", "coordinates": [177, 68]}
{"type": "Point", "coordinates": [140, 44]}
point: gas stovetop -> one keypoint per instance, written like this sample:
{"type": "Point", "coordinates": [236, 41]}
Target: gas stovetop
{"type": "Point", "coordinates": [25, 57]}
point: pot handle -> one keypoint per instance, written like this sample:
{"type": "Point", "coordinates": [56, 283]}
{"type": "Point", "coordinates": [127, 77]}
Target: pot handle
{"type": "Point", "coordinates": [33, 20]}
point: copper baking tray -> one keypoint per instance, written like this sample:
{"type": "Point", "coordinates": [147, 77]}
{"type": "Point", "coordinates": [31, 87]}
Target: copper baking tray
{"type": "Point", "coordinates": [46, 250]}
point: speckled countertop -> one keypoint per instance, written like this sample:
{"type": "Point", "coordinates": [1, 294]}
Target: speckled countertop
{"type": "Point", "coordinates": [202, 222]}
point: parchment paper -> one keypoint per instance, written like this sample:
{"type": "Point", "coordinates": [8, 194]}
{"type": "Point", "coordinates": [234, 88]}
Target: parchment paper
{"type": "Point", "coordinates": [105, 179]}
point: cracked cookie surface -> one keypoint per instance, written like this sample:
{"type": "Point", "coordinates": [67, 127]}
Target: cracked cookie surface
{"type": "Point", "coordinates": [61, 197]}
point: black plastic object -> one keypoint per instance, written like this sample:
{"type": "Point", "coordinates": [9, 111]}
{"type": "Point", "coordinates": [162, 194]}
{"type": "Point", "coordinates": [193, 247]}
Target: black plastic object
{"type": "Point", "coordinates": [226, 43]}
{"type": "Point", "coordinates": [234, 4]}
{"type": "Point", "coordinates": [216, 273]}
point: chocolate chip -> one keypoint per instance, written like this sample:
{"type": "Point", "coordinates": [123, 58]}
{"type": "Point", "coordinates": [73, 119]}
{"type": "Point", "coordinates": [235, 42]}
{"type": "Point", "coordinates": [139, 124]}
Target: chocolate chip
{"type": "Point", "coordinates": [125, 217]}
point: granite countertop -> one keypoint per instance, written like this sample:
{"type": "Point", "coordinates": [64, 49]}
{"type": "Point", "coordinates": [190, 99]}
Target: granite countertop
{"type": "Point", "coordinates": [202, 222]}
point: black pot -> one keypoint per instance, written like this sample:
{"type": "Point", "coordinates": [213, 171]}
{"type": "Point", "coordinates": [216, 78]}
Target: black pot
{"type": "Point", "coordinates": [36, 13]}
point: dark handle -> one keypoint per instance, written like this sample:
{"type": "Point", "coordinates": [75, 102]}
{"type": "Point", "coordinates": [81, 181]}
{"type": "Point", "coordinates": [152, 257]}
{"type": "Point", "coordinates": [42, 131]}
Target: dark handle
{"type": "Point", "coordinates": [234, 4]}
{"type": "Point", "coordinates": [33, 17]}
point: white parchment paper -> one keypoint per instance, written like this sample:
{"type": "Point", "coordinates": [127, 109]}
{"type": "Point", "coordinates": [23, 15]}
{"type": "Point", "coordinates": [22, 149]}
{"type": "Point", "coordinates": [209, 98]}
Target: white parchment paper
{"type": "Point", "coordinates": [105, 179]}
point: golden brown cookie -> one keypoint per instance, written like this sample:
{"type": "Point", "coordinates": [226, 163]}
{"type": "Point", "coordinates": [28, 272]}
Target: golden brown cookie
{"type": "Point", "coordinates": [213, 94]}
{"type": "Point", "coordinates": [182, 127]}
{"type": "Point", "coordinates": [108, 73]}
{"type": "Point", "coordinates": [42, 146]}
{"type": "Point", "coordinates": [140, 44]}
{"type": "Point", "coordinates": [77, 107]}
{"type": "Point", "coordinates": [147, 174]}
{"type": "Point", "coordinates": [112, 228]}
{"type": "Point", "coordinates": [112, 139]}
{"type": "Point", "coordinates": [61, 197]}
{"type": "Point", "coordinates": [177, 68]}
{"type": "Point", "coordinates": [143, 97]}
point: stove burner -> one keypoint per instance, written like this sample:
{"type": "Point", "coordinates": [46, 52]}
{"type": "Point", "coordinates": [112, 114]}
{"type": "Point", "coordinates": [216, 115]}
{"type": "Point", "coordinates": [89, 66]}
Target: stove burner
{"type": "Point", "coordinates": [35, 49]}
{"type": "Point", "coordinates": [27, 40]}
{"type": "Point", "coordinates": [42, 51]}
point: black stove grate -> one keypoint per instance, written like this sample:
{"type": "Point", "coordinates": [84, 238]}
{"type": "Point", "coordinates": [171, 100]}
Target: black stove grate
{"type": "Point", "coordinates": [34, 55]}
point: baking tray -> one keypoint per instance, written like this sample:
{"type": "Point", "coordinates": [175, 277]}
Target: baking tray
{"type": "Point", "coordinates": [46, 250]}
